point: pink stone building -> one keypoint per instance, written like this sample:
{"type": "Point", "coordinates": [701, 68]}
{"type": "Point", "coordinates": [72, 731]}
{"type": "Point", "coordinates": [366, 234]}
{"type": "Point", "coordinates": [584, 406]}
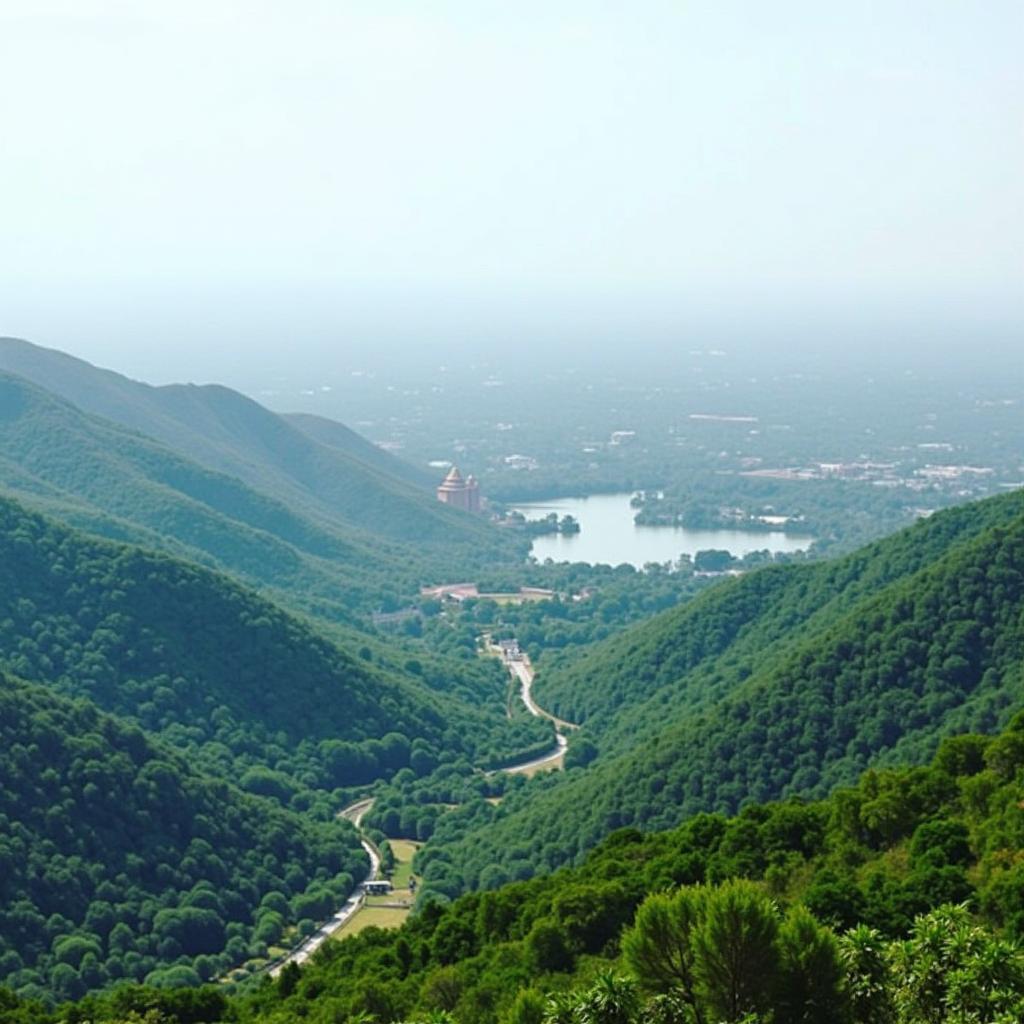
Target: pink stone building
{"type": "Point", "coordinates": [462, 493]}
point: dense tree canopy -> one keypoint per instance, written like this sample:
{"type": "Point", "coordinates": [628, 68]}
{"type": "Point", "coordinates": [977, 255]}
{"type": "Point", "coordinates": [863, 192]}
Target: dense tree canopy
{"type": "Point", "coordinates": [790, 680]}
{"type": "Point", "coordinates": [217, 669]}
{"type": "Point", "coordinates": [832, 911]}
{"type": "Point", "coordinates": [120, 861]}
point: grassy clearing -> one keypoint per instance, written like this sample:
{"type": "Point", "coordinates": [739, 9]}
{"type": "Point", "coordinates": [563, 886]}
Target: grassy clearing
{"type": "Point", "coordinates": [372, 917]}
{"type": "Point", "coordinates": [404, 851]}
{"type": "Point", "coordinates": [398, 900]}
{"type": "Point", "coordinates": [380, 911]}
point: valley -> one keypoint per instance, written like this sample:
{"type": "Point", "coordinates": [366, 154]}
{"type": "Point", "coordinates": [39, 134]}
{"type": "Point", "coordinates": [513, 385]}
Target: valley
{"type": "Point", "coordinates": [511, 513]}
{"type": "Point", "coordinates": [260, 642]}
{"type": "Point", "coordinates": [521, 671]}
{"type": "Point", "coordinates": [361, 911]}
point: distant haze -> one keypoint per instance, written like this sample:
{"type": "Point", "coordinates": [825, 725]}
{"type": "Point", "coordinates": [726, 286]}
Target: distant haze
{"type": "Point", "coordinates": [198, 189]}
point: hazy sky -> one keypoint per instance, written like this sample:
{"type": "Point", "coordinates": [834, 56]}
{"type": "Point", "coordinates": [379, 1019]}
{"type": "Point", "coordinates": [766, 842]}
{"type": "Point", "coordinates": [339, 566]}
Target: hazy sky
{"type": "Point", "coordinates": [186, 186]}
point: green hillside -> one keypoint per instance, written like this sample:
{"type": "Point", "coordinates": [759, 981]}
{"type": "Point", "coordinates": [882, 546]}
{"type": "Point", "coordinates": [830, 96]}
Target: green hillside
{"type": "Point", "coordinates": [98, 476]}
{"type": "Point", "coordinates": [221, 671]}
{"type": "Point", "coordinates": [337, 435]}
{"type": "Point", "coordinates": [119, 861]}
{"type": "Point", "coordinates": [836, 912]}
{"type": "Point", "coordinates": [812, 699]}
{"type": "Point", "coordinates": [892, 847]}
{"type": "Point", "coordinates": [113, 481]}
{"type": "Point", "coordinates": [620, 688]}
{"type": "Point", "coordinates": [354, 485]}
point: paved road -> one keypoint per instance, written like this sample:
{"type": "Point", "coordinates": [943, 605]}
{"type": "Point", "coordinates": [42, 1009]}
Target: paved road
{"type": "Point", "coordinates": [356, 812]}
{"type": "Point", "coordinates": [522, 670]}
{"type": "Point", "coordinates": [300, 954]}
{"type": "Point", "coordinates": [553, 757]}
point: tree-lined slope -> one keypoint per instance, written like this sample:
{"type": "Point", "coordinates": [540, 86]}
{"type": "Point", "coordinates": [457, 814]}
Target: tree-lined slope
{"type": "Point", "coordinates": [895, 845]}
{"type": "Point", "coordinates": [113, 480]}
{"type": "Point", "coordinates": [214, 666]}
{"type": "Point", "coordinates": [937, 650]}
{"type": "Point", "coordinates": [808, 913]}
{"type": "Point", "coordinates": [623, 688]}
{"type": "Point", "coordinates": [355, 485]}
{"type": "Point", "coordinates": [96, 475]}
{"type": "Point", "coordinates": [119, 861]}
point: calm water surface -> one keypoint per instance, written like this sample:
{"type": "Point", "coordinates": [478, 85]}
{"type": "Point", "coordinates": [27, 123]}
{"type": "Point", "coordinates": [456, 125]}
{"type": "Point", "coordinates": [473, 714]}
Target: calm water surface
{"type": "Point", "coordinates": [608, 534]}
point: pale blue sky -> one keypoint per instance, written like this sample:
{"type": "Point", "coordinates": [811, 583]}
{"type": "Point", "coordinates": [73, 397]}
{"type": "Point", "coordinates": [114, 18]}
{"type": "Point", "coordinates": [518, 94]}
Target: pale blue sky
{"type": "Point", "coordinates": [232, 172]}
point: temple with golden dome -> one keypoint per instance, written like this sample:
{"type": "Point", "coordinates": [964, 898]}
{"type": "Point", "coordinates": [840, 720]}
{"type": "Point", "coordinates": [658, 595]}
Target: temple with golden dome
{"type": "Point", "coordinates": [462, 493]}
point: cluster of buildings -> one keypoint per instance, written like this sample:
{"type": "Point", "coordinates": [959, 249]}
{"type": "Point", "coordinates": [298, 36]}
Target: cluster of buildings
{"type": "Point", "coordinates": [459, 592]}
{"type": "Point", "coordinates": [881, 474]}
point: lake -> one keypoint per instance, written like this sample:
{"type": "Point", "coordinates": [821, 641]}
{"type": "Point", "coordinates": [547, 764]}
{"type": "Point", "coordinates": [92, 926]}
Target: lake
{"type": "Point", "coordinates": [609, 535]}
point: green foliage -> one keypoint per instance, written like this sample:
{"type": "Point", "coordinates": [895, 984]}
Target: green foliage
{"type": "Point", "coordinates": [711, 921]}
{"type": "Point", "coordinates": [790, 680]}
{"type": "Point", "coordinates": [862, 954]}
{"type": "Point", "coordinates": [951, 970]}
{"type": "Point", "coordinates": [724, 953]}
{"type": "Point", "coordinates": [809, 987]}
{"type": "Point", "coordinates": [528, 1007]}
{"type": "Point", "coordinates": [246, 688]}
{"type": "Point", "coordinates": [735, 949]}
{"type": "Point", "coordinates": [119, 861]}
{"type": "Point", "coordinates": [659, 948]}
{"type": "Point", "coordinates": [547, 948]}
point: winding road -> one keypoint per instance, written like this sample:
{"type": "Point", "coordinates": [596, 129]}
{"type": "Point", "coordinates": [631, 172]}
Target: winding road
{"type": "Point", "coordinates": [301, 953]}
{"type": "Point", "coordinates": [521, 669]}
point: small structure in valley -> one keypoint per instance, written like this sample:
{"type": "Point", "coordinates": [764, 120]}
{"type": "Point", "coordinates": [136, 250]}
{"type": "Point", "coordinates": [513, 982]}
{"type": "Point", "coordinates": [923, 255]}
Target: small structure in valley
{"type": "Point", "coordinates": [510, 650]}
{"type": "Point", "coordinates": [459, 592]}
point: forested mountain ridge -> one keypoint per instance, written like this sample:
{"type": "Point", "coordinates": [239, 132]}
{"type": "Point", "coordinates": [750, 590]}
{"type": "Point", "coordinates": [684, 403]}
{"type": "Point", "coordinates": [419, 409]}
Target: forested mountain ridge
{"type": "Point", "coordinates": [112, 480]}
{"type": "Point", "coordinates": [937, 651]}
{"type": "Point", "coordinates": [96, 475]}
{"type": "Point", "coordinates": [827, 911]}
{"type": "Point", "coordinates": [119, 861]}
{"type": "Point", "coordinates": [749, 617]}
{"type": "Point", "coordinates": [337, 435]}
{"type": "Point", "coordinates": [219, 670]}
{"type": "Point", "coordinates": [222, 430]}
